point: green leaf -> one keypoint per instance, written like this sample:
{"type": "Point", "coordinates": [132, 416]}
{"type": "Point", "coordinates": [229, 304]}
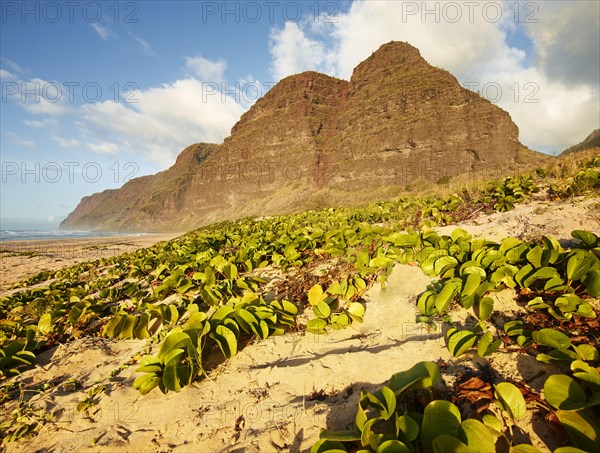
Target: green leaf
{"type": "Point", "coordinates": [485, 308]}
{"type": "Point", "coordinates": [420, 375]}
{"type": "Point", "coordinates": [460, 341]}
{"type": "Point", "coordinates": [361, 417]}
{"type": "Point", "coordinates": [534, 256]}
{"type": "Point", "coordinates": [537, 304]}
{"type": "Point", "coordinates": [146, 383]}
{"type": "Point", "coordinates": [487, 345]}
{"type": "Point", "coordinates": [150, 364]}
{"type": "Point", "coordinates": [504, 274]}
{"type": "Point", "coordinates": [516, 254]}
{"type": "Point", "coordinates": [325, 445]}
{"type": "Point", "coordinates": [318, 326]}
{"type": "Point", "coordinates": [195, 321]}
{"type": "Point", "coordinates": [439, 418]}
{"type": "Point", "coordinates": [511, 400]}
{"type": "Point", "coordinates": [443, 299]}
{"type": "Point", "coordinates": [127, 326]}
{"type": "Point", "coordinates": [478, 436]}
{"type": "Point", "coordinates": [551, 338]}
{"type": "Point", "coordinates": [407, 428]}
{"type": "Point", "coordinates": [220, 314]}
{"type": "Point", "coordinates": [392, 446]}
{"type": "Point", "coordinates": [581, 428]}
{"type": "Point", "coordinates": [545, 273]}
{"type": "Point", "coordinates": [322, 310]}
{"type": "Point", "coordinates": [586, 352]}
{"type": "Point", "coordinates": [589, 239]}
{"type": "Point", "coordinates": [176, 339]}
{"type": "Point", "coordinates": [563, 392]}
{"type": "Point", "coordinates": [316, 295]}
{"type": "Point", "coordinates": [579, 264]}
{"type": "Point", "coordinates": [568, 450]}
{"type": "Point", "coordinates": [170, 378]}
{"type": "Point", "coordinates": [514, 328]}
{"type": "Point", "coordinates": [45, 324]}
{"type": "Point", "coordinates": [426, 303]}
{"type": "Point", "coordinates": [470, 285]}
{"type": "Point", "coordinates": [25, 357]}
{"type": "Point", "coordinates": [77, 311]}
{"type": "Point", "coordinates": [140, 331]}
{"type": "Point", "coordinates": [472, 267]}
{"type": "Point", "coordinates": [356, 310]}
{"type": "Point", "coordinates": [368, 437]}
{"type": "Point", "coordinates": [444, 264]}
{"type": "Point", "coordinates": [459, 233]}
{"type": "Point", "coordinates": [340, 320]}
{"type": "Point", "coordinates": [523, 273]}
{"type": "Point", "coordinates": [246, 320]}
{"type": "Point", "coordinates": [592, 283]}
{"type": "Point", "coordinates": [450, 444]}
{"type": "Point", "coordinates": [585, 372]}
{"type": "Point", "coordinates": [557, 355]}
{"type": "Point", "coordinates": [406, 240]}
{"type": "Point", "coordinates": [226, 340]}
{"type": "Point", "coordinates": [554, 284]}
{"type": "Point", "coordinates": [553, 250]}
{"type": "Point", "coordinates": [494, 425]}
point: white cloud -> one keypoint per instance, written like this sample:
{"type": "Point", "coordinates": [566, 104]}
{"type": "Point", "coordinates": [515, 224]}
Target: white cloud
{"type": "Point", "coordinates": [163, 121]}
{"type": "Point", "coordinates": [12, 65]}
{"type": "Point", "coordinates": [4, 74]}
{"type": "Point", "coordinates": [24, 142]}
{"type": "Point", "coordinates": [205, 69]}
{"type": "Point", "coordinates": [103, 32]}
{"type": "Point", "coordinates": [98, 148]}
{"type": "Point", "coordinates": [45, 107]}
{"type": "Point", "coordinates": [41, 124]}
{"type": "Point", "coordinates": [17, 140]}
{"type": "Point", "coordinates": [293, 52]}
{"type": "Point", "coordinates": [67, 143]}
{"type": "Point", "coordinates": [151, 129]}
{"type": "Point", "coordinates": [145, 45]}
{"type": "Point", "coordinates": [40, 97]}
{"type": "Point", "coordinates": [474, 47]}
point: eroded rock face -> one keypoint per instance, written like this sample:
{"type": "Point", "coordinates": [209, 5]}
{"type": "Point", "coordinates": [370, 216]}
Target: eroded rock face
{"type": "Point", "coordinates": [397, 120]}
{"type": "Point", "coordinates": [404, 119]}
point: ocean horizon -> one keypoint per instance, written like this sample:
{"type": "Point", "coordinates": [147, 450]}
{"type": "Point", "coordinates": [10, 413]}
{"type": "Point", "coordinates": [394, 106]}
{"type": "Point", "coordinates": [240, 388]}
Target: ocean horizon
{"type": "Point", "coordinates": [29, 235]}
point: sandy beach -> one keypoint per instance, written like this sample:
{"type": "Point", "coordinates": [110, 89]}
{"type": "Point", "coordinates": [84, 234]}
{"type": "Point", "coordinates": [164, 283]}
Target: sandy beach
{"type": "Point", "coordinates": [275, 395]}
{"type": "Point", "coordinates": [22, 259]}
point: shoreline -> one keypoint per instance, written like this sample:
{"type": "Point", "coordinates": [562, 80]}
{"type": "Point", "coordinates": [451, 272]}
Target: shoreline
{"type": "Point", "coordinates": [21, 259]}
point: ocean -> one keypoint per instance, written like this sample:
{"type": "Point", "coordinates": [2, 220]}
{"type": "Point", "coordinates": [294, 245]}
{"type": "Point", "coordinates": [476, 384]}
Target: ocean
{"type": "Point", "coordinates": [28, 235]}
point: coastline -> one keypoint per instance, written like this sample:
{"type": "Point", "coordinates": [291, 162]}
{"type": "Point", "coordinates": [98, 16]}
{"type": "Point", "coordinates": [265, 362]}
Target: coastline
{"type": "Point", "coordinates": [22, 259]}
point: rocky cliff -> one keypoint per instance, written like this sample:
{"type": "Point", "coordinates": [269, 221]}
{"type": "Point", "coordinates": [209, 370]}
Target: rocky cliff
{"type": "Point", "coordinates": [397, 120]}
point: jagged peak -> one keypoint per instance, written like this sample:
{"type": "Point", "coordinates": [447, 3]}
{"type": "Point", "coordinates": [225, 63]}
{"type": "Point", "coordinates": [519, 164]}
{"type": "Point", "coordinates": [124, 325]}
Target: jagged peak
{"type": "Point", "coordinates": [388, 55]}
{"type": "Point", "coordinates": [303, 80]}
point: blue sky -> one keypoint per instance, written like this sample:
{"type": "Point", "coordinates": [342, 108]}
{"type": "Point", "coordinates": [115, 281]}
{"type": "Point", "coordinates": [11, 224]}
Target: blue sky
{"type": "Point", "coordinates": [145, 77]}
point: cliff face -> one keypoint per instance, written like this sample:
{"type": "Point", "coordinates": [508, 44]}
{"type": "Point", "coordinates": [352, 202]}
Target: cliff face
{"type": "Point", "coordinates": [136, 205]}
{"type": "Point", "coordinates": [398, 119]}
{"type": "Point", "coordinates": [404, 119]}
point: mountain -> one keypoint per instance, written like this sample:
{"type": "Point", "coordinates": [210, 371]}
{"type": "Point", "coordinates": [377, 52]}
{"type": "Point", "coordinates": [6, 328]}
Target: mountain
{"type": "Point", "coordinates": [591, 141]}
{"type": "Point", "coordinates": [315, 140]}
